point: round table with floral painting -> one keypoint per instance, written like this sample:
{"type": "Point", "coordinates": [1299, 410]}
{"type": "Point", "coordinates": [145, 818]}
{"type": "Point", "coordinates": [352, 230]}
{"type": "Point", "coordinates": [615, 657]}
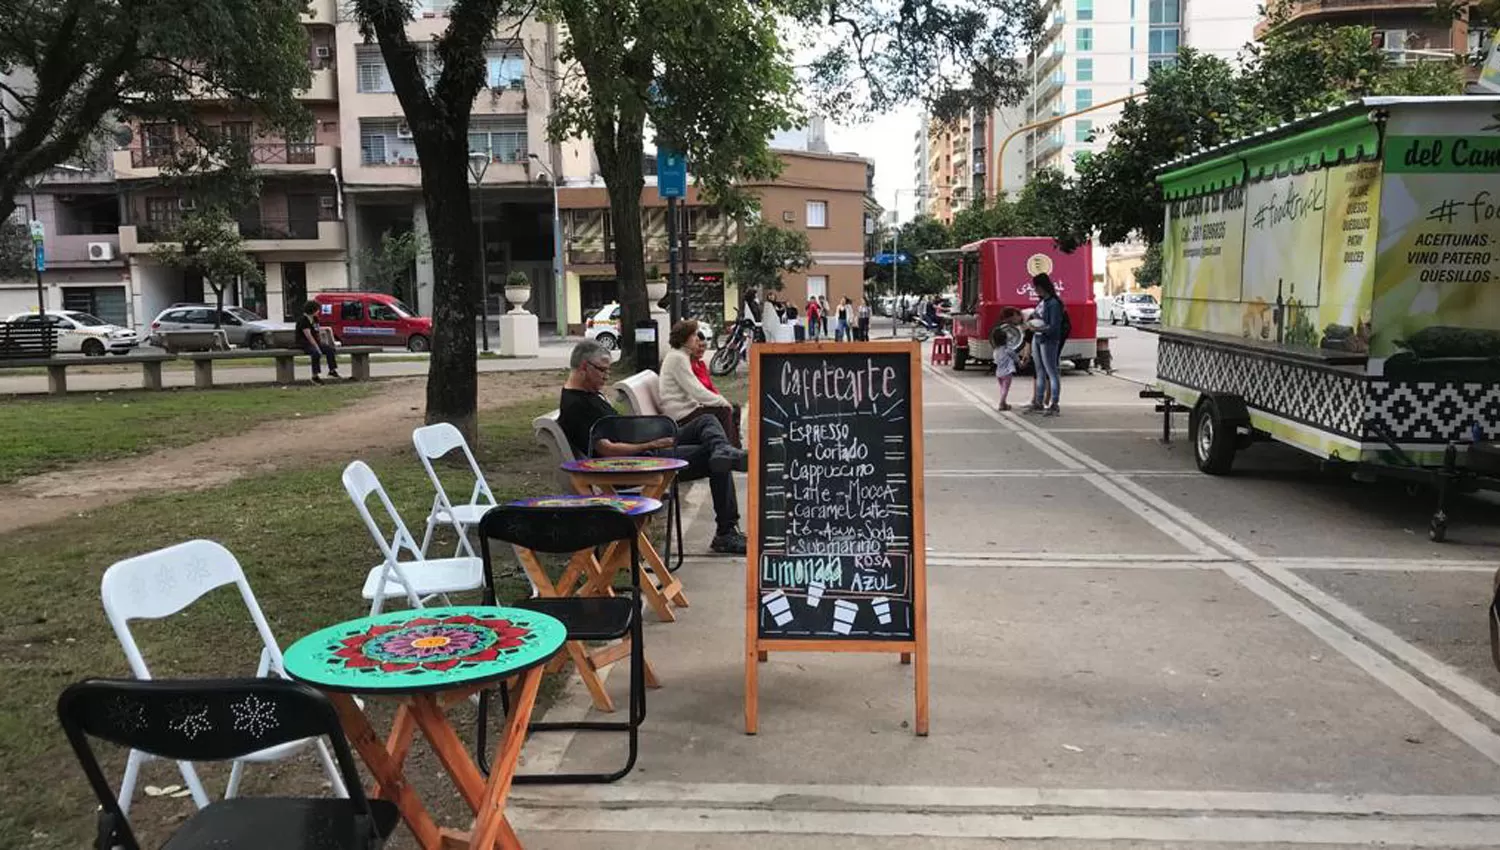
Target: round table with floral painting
{"type": "Point", "coordinates": [429, 659]}
{"type": "Point", "coordinates": [652, 476]}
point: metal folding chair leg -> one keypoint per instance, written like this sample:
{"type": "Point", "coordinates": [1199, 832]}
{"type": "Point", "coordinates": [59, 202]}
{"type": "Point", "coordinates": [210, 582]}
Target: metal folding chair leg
{"type": "Point", "coordinates": [631, 727]}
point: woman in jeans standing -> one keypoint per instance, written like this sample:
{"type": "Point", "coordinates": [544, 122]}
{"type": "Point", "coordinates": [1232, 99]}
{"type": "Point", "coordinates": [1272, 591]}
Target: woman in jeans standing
{"type": "Point", "coordinates": [1046, 347]}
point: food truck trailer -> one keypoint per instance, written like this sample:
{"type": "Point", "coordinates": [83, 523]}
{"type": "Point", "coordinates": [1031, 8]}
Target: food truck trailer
{"type": "Point", "coordinates": [996, 273]}
{"type": "Point", "coordinates": [1334, 284]}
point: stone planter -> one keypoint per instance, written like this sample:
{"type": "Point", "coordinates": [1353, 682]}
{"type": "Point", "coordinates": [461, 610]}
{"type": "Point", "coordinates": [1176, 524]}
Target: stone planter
{"type": "Point", "coordinates": [518, 296]}
{"type": "Point", "coordinates": [656, 290]}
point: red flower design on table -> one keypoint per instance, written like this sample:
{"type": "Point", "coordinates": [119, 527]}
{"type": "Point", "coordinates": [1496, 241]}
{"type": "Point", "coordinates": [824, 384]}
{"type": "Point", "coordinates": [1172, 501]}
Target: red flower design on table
{"type": "Point", "coordinates": [430, 643]}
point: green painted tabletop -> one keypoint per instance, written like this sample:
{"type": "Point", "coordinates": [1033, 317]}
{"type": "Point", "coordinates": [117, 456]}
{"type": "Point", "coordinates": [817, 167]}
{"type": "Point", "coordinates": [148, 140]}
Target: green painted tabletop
{"type": "Point", "coordinates": [424, 649]}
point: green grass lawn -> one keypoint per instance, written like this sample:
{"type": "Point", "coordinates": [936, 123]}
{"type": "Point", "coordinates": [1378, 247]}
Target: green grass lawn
{"type": "Point", "coordinates": [305, 552]}
{"type": "Point", "coordinates": [47, 433]}
{"type": "Point", "coordinates": [103, 366]}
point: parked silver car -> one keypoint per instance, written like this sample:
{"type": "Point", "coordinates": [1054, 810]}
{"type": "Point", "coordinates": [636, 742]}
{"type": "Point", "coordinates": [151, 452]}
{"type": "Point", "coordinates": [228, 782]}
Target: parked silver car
{"type": "Point", "coordinates": [241, 327]}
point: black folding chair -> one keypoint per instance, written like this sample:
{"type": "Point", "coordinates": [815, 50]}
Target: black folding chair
{"type": "Point", "coordinates": [587, 618]}
{"type": "Point", "coordinates": [222, 720]}
{"type": "Point", "coordinates": [644, 429]}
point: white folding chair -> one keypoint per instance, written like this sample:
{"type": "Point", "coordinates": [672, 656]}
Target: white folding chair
{"type": "Point", "coordinates": [433, 442]}
{"type": "Point", "coordinates": [419, 578]}
{"type": "Point", "coordinates": [159, 584]}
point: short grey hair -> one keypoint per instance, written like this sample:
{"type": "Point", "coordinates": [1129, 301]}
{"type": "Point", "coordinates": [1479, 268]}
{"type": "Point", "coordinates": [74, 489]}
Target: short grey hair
{"type": "Point", "coordinates": [586, 352]}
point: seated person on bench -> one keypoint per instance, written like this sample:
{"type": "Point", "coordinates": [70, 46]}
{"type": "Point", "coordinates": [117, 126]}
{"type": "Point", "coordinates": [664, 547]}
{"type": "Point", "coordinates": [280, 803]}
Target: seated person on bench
{"type": "Point", "coordinates": [701, 442]}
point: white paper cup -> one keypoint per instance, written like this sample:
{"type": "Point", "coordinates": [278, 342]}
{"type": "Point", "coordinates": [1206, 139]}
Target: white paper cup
{"type": "Point", "coordinates": [814, 594]}
{"type": "Point", "coordinates": [778, 607]}
{"type": "Point", "coordinates": [882, 608]}
{"type": "Point", "coordinates": [843, 616]}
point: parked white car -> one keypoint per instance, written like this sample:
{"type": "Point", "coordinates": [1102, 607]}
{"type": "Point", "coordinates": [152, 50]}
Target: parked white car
{"type": "Point", "coordinates": [604, 327]}
{"type": "Point", "coordinates": [1134, 308]}
{"type": "Point", "coordinates": [82, 333]}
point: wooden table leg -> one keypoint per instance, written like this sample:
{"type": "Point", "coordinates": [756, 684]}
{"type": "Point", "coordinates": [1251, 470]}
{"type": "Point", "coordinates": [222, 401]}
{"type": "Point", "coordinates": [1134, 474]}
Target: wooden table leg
{"type": "Point", "coordinates": [667, 583]}
{"type": "Point", "coordinates": [491, 825]}
{"type": "Point", "coordinates": [398, 742]}
{"type": "Point", "coordinates": [487, 799]}
{"type": "Point", "coordinates": [386, 771]}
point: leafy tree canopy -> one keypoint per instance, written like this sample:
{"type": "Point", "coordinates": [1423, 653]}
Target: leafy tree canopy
{"type": "Point", "coordinates": [764, 253]}
{"type": "Point", "coordinates": [73, 68]}
{"type": "Point", "coordinates": [711, 78]}
{"type": "Point", "coordinates": [208, 242]}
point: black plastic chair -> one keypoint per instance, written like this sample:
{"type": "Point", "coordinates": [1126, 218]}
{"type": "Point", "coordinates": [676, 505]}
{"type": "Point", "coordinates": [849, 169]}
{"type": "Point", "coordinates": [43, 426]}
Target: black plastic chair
{"type": "Point", "coordinates": [591, 618]}
{"type": "Point", "coordinates": [644, 429]}
{"type": "Point", "coordinates": [221, 720]}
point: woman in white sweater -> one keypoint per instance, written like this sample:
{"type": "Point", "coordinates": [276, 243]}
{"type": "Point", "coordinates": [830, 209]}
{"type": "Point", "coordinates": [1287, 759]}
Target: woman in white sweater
{"type": "Point", "coordinates": [685, 387]}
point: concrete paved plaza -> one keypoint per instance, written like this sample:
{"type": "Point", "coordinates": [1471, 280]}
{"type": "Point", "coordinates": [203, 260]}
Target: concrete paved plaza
{"type": "Point", "coordinates": [1125, 653]}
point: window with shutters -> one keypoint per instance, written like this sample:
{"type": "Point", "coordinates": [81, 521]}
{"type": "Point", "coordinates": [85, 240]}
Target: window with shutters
{"type": "Point", "coordinates": [502, 137]}
{"type": "Point", "coordinates": [504, 68]}
{"type": "Point", "coordinates": [373, 77]}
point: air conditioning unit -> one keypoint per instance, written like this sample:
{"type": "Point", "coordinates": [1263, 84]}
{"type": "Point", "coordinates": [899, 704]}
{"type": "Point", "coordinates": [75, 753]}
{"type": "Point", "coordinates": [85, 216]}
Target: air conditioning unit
{"type": "Point", "coordinates": [403, 130]}
{"type": "Point", "coordinates": [101, 251]}
{"type": "Point", "coordinates": [326, 202]}
{"type": "Point", "coordinates": [187, 204]}
{"type": "Point", "coordinates": [323, 52]}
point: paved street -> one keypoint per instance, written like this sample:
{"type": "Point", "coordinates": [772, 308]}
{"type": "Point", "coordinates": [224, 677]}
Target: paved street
{"type": "Point", "coordinates": [1125, 653]}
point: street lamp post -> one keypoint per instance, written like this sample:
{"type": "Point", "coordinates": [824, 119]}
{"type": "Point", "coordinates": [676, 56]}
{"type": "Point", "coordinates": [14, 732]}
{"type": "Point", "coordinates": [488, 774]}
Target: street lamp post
{"type": "Point", "coordinates": [896, 258]}
{"type": "Point", "coordinates": [33, 225]}
{"type": "Point", "coordinates": [559, 289]}
{"type": "Point", "coordinates": [479, 163]}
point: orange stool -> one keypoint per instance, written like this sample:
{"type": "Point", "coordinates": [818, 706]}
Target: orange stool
{"type": "Point", "coordinates": [942, 350]}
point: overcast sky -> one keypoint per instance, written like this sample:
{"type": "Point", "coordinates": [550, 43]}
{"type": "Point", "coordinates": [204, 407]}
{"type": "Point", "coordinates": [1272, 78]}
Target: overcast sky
{"type": "Point", "coordinates": [888, 141]}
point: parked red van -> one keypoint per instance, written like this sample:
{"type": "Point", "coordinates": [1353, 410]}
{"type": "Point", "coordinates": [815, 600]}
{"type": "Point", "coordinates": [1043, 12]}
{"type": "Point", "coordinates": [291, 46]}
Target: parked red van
{"type": "Point", "coordinates": [996, 273]}
{"type": "Point", "coordinates": [373, 318]}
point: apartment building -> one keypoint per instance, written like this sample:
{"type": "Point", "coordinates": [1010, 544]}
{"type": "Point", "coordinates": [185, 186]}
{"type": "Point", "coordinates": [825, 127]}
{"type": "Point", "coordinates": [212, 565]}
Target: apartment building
{"type": "Point", "coordinates": [294, 230]}
{"type": "Point", "coordinates": [823, 194]}
{"type": "Point", "coordinates": [512, 196]}
{"type": "Point", "coordinates": [949, 175]}
{"type": "Point", "coordinates": [1405, 29]}
{"type": "Point", "coordinates": [80, 213]}
{"type": "Point", "coordinates": [1095, 52]}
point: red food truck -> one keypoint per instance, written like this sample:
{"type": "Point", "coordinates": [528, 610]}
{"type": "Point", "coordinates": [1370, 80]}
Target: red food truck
{"type": "Point", "coordinates": [996, 273]}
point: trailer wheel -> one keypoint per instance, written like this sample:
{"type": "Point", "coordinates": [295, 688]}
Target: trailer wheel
{"type": "Point", "coordinates": [1213, 438]}
{"type": "Point", "coordinates": [960, 357]}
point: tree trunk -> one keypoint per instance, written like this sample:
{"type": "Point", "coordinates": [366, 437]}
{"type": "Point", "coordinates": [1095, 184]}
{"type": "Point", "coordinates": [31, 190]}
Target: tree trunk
{"type": "Point", "coordinates": [218, 305]}
{"type": "Point", "coordinates": [624, 180]}
{"type": "Point", "coordinates": [452, 377]}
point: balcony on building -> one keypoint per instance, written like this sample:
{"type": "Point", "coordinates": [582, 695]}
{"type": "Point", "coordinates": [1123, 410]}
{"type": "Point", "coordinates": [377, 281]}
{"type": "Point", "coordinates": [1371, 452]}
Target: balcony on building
{"type": "Point", "coordinates": [1053, 27]}
{"type": "Point", "coordinates": [279, 222]}
{"type": "Point", "coordinates": [1358, 11]}
{"type": "Point", "coordinates": [321, 12]}
{"type": "Point", "coordinates": [154, 160]}
{"type": "Point", "coordinates": [1051, 86]}
{"type": "Point", "coordinates": [323, 88]}
{"type": "Point", "coordinates": [388, 150]}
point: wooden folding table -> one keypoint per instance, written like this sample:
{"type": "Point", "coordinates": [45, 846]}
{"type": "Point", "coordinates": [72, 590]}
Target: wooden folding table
{"type": "Point", "coordinates": [653, 476]}
{"type": "Point", "coordinates": [430, 658]}
{"type": "Point", "coordinates": [584, 569]}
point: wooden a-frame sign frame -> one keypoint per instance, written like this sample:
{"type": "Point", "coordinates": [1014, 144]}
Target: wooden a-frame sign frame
{"type": "Point", "coordinates": [757, 649]}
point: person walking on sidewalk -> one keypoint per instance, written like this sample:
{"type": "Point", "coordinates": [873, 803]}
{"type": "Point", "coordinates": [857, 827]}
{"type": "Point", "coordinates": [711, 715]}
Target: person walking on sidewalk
{"type": "Point", "coordinates": [1007, 360]}
{"type": "Point", "coordinates": [841, 329]}
{"type": "Point", "coordinates": [308, 339]}
{"type": "Point", "coordinates": [814, 327]}
{"type": "Point", "coordinates": [1050, 321]}
{"type": "Point", "coordinates": [862, 332]}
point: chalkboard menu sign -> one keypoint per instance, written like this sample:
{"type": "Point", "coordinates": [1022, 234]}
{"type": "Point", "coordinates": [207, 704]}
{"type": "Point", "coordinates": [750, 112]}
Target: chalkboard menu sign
{"type": "Point", "coordinates": [835, 557]}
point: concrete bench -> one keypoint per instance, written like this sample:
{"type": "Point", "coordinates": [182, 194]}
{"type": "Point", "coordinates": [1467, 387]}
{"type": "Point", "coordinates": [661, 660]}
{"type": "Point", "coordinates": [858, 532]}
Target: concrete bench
{"type": "Point", "coordinates": [641, 393]}
{"type": "Point", "coordinates": [205, 340]}
{"type": "Point", "coordinates": [57, 368]}
{"type": "Point", "coordinates": [285, 358]}
{"type": "Point", "coordinates": [550, 436]}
